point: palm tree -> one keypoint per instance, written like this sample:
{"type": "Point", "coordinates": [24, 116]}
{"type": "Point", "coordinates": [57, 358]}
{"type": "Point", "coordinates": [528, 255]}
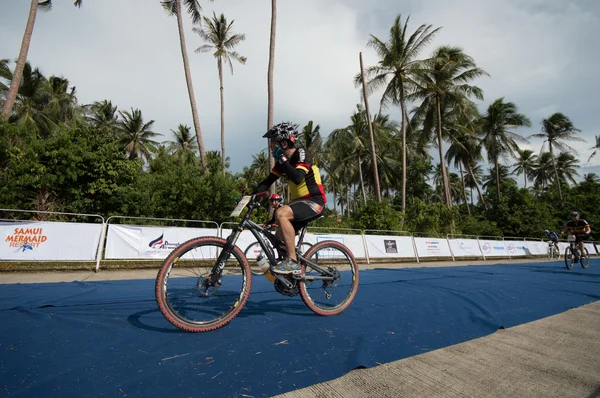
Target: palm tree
{"type": "Point", "coordinates": [591, 178]}
{"type": "Point", "coordinates": [222, 40]}
{"type": "Point", "coordinates": [5, 74]}
{"type": "Point", "coordinates": [173, 7]}
{"type": "Point", "coordinates": [595, 147]}
{"type": "Point", "coordinates": [103, 114]}
{"type": "Point", "coordinates": [526, 162]}
{"type": "Point", "coordinates": [443, 82]}
{"type": "Point", "coordinates": [350, 141]}
{"type": "Point", "coordinates": [184, 147]}
{"type": "Point", "coordinates": [497, 139]}
{"type": "Point", "coordinates": [44, 5]}
{"type": "Point", "coordinates": [501, 176]}
{"type": "Point", "coordinates": [543, 170]}
{"type": "Point", "coordinates": [473, 179]}
{"type": "Point", "coordinates": [136, 135]}
{"type": "Point", "coordinates": [557, 129]}
{"type": "Point", "coordinates": [270, 84]}
{"type": "Point", "coordinates": [395, 71]}
{"type": "Point", "coordinates": [567, 165]}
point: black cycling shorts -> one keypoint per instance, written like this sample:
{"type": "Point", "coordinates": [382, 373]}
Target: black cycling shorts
{"type": "Point", "coordinates": [581, 237]}
{"type": "Point", "coordinates": [304, 211]}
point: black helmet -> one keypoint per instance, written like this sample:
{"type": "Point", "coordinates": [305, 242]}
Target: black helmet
{"type": "Point", "coordinates": [574, 214]}
{"type": "Point", "coordinates": [282, 131]}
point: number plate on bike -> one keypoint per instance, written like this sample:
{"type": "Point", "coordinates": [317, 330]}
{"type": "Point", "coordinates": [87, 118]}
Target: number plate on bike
{"type": "Point", "coordinates": [240, 206]}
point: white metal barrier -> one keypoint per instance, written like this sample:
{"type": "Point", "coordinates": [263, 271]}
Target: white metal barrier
{"type": "Point", "coordinates": [70, 241]}
{"type": "Point", "coordinates": [37, 240]}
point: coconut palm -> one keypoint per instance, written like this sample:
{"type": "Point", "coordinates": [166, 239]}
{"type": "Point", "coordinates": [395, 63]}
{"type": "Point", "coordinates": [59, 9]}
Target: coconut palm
{"type": "Point", "coordinates": [184, 146]}
{"type": "Point", "coordinates": [270, 70]}
{"type": "Point", "coordinates": [350, 141]}
{"type": "Point", "coordinates": [526, 162]}
{"type": "Point", "coordinates": [136, 136]}
{"type": "Point", "coordinates": [6, 74]}
{"type": "Point", "coordinates": [595, 147]}
{"type": "Point", "coordinates": [173, 7]}
{"type": "Point", "coordinates": [557, 129]}
{"type": "Point", "coordinates": [103, 114]}
{"type": "Point", "coordinates": [497, 139]}
{"type": "Point", "coordinates": [218, 33]}
{"type": "Point", "coordinates": [28, 112]}
{"type": "Point", "coordinates": [442, 82]}
{"type": "Point", "coordinates": [397, 61]}
{"type": "Point", "coordinates": [310, 138]}
{"type": "Point", "coordinates": [474, 178]}
{"type": "Point", "coordinates": [567, 165]}
{"type": "Point", "coordinates": [502, 175]}
{"type": "Point", "coordinates": [591, 178]}
{"type": "Point", "coordinates": [543, 170]}
{"type": "Point", "coordinates": [11, 96]}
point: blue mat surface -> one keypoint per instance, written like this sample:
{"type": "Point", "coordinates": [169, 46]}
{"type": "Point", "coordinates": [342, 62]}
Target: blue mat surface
{"type": "Point", "coordinates": [109, 339]}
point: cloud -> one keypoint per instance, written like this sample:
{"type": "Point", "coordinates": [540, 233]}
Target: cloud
{"type": "Point", "coordinates": [539, 54]}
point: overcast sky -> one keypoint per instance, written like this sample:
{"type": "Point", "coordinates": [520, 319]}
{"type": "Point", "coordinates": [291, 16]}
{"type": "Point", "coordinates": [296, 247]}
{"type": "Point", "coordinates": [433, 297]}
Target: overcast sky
{"type": "Point", "coordinates": [541, 54]}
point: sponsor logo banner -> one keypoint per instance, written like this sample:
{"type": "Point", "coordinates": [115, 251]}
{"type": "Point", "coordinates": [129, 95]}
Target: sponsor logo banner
{"type": "Point", "coordinates": [49, 241]}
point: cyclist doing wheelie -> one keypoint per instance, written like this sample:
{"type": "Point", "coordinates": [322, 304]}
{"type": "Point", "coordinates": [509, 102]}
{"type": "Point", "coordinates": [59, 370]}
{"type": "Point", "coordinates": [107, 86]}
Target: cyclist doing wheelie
{"type": "Point", "coordinates": [578, 227]}
{"type": "Point", "coordinates": [306, 191]}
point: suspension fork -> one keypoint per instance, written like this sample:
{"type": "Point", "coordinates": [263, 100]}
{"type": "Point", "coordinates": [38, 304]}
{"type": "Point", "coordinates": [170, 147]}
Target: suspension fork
{"type": "Point", "coordinates": [226, 253]}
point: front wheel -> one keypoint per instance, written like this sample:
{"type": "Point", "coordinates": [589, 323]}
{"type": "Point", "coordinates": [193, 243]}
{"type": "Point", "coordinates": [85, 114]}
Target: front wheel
{"type": "Point", "coordinates": [334, 296]}
{"type": "Point", "coordinates": [585, 259]}
{"type": "Point", "coordinates": [184, 290]}
{"type": "Point", "coordinates": [569, 258]}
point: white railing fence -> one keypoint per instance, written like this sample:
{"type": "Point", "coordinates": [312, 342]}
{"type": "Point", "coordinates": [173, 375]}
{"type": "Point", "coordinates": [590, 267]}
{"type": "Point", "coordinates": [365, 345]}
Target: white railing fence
{"type": "Point", "coordinates": [124, 238]}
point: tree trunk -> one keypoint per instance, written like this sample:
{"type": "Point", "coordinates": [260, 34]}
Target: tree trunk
{"type": "Point", "coordinates": [373, 153]}
{"type": "Point", "coordinates": [497, 178]}
{"type": "Point", "coordinates": [220, 67]}
{"type": "Point", "coordinates": [441, 149]}
{"type": "Point", "coordinates": [556, 173]}
{"type": "Point", "coordinates": [270, 86]}
{"type": "Point", "coordinates": [403, 128]}
{"type": "Point", "coordinates": [462, 181]}
{"type": "Point", "coordinates": [190, 87]}
{"type": "Point", "coordinates": [334, 202]}
{"type": "Point", "coordinates": [362, 183]}
{"type": "Point", "coordinates": [476, 186]}
{"type": "Point", "coordinates": [348, 201]}
{"type": "Point", "coordinates": [11, 96]}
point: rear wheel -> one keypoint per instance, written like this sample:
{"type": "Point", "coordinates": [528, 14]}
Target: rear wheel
{"type": "Point", "coordinates": [569, 258]}
{"type": "Point", "coordinates": [184, 292]}
{"type": "Point", "coordinates": [585, 259]}
{"type": "Point", "coordinates": [329, 297]}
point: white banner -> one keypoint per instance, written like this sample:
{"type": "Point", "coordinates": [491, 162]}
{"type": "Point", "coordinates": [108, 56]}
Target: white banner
{"type": "Point", "coordinates": [516, 248]}
{"type": "Point", "coordinates": [591, 248]}
{"type": "Point", "coordinates": [138, 242]}
{"type": "Point", "coordinates": [537, 248]}
{"type": "Point", "coordinates": [32, 241]}
{"type": "Point", "coordinates": [465, 248]}
{"type": "Point", "coordinates": [353, 242]}
{"type": "Point", "coordinates": [563, 246]}
{"type": "Point", "coordinates": [493, 248]}
{"type": "Point", "coordinates": [380, 246]}
{"type": "Point", "coordinates": [432, 247]}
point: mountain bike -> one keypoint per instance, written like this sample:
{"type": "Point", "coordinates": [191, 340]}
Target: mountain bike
{"type": "Point", "coordinates": [573, 254]}
{"type": "Point", "coordinates": [205, 282]}
{"type": "Point", "coordinates": [255, 251]}
{"type": "Point", "coordinates": [553, 251]}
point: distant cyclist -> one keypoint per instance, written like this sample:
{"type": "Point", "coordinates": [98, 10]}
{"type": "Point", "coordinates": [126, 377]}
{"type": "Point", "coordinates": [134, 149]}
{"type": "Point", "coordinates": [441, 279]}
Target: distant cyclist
{"type": "Point", "coordinates": [551, 236]}
{"type": "Point", "coordinates": [578, 227]}
{"type": "Point", "coordinates": [275, 201]}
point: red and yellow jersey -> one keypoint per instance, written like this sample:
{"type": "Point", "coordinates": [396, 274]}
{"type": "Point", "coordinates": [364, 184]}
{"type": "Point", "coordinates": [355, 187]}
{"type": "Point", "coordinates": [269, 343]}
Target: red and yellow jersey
{"type": "Point", "coordinates": [309, 187]}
